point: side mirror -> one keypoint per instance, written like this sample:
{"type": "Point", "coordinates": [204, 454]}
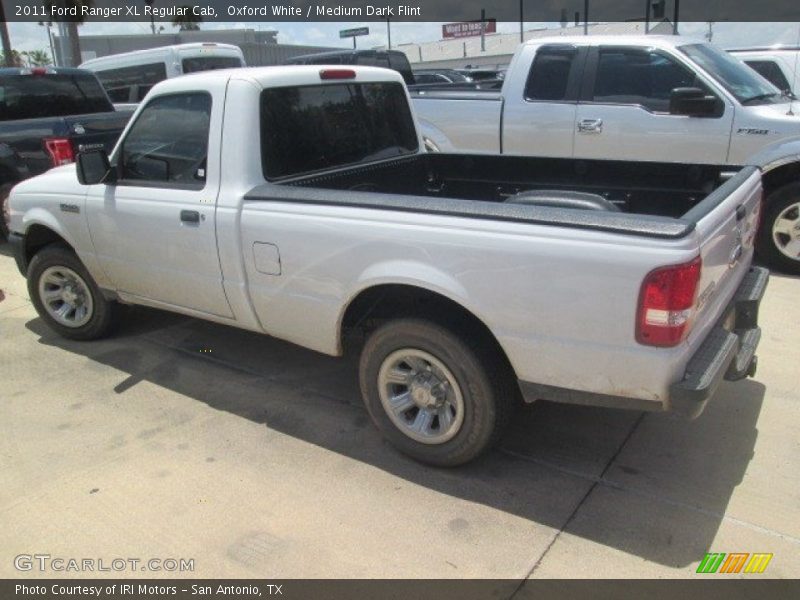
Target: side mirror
{"type": "Point", "coordinates": [692, 102]}
{"type": "Point", "coordinates": [93, 168]}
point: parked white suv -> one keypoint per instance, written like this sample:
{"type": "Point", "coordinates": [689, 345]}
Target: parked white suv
{"type": "Point", "coordinates": [780, 65]}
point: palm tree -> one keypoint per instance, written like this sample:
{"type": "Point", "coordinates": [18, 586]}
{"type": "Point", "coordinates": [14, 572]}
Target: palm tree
{"type": "Point", "coordinates": [187, 21]}
{"type": "Point", "coordinates": [39, 58]}
{"type": "Point", "coordinates": [6, 40]}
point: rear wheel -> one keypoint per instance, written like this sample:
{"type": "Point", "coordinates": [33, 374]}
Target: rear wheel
{"type": "Point", "coordinates": [66, 297]}
{"type": "Point", "coordinates": [433, 396]}
{"type": "Point", "coordinates": [779, 238]}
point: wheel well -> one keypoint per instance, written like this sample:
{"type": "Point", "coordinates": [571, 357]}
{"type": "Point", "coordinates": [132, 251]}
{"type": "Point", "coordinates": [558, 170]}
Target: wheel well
{"type": "Point", "coordinates": [776, 178]}
{"type": "Point", "coordinates": [39, 236]}
{"type": "Point", "coordinates": [378, 304]}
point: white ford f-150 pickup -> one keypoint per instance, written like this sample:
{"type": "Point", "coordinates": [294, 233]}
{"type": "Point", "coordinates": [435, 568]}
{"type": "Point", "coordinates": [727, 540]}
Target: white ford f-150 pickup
{"type": "Point", "coordinates": [646, 97]}
{"type": "Point", "coordinates": [299, 202]}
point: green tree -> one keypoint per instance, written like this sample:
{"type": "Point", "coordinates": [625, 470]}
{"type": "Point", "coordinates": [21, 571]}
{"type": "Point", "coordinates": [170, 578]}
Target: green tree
{"type": "Point", "coordinates": [187, 21]}
{"type": "Point", "coordinates": [39, 58]}
{"type": "Point", "coordinates": [12, 59]}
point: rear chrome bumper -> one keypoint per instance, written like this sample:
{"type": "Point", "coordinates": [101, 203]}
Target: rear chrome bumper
{"type": "Point", "coordinates": [729, 351]}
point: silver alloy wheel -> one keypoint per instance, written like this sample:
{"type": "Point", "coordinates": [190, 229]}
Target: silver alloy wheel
{"type": "Point", "coordinates": [786, 231]}
{"type": "Point", "coordinates": [421, 396]}
{"type": "Point", "coordinates": [65, 296]}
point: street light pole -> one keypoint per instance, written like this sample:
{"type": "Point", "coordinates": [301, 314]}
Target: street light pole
{"type": "Point", "coordinates": [389, 32]}
{"type": "Point", "coordinates": [585, 17]}
{"type": "Point", "coordinates": [521, 19]}
{"type": "Point", "coordinates": [152, 18]}
{"type": "Point", "coordinates": [483, 30]}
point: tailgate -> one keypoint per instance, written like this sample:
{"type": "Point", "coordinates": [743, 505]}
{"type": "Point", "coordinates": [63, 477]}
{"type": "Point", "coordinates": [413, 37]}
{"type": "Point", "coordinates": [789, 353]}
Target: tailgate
{"type": "Point", "coordinates": [97, 130]}
{"type": "Point", "coordinates": [726, 224]}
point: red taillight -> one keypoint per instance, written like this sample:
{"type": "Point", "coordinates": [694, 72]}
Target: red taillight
{"type": "Point", "coordinates": [666, 304]}
{"type": "Point", "coordinates": [337, 74]}
{"type": "Point", "coordinates": [60, 151]}
{"type": "Point", "coordinates": [38, 71]}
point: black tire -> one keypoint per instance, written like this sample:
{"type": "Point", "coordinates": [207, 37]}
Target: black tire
{"type": "Point", "coordinates": [488, 389]}
{"type": "Point", "coordinates": [776, 203]}
{"type": "Point", "coordinates": [104, 314]}
{"type": "Point", "coordinates": [5, 189]}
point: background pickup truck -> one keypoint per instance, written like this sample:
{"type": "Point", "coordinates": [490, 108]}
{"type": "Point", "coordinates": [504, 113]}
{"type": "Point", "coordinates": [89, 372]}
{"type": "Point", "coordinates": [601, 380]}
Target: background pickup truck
{"type": "Point", "coordinates": [46, 116]}
{"type": "Point", "coordinates": [647, 98]}
{"type": "Point", "coordinates": [298, 202]}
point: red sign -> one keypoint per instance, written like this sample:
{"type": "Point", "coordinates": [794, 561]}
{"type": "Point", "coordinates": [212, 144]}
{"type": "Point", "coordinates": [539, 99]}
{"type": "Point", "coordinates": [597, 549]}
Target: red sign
{"type": "Point", "coordinates": [468, 29]}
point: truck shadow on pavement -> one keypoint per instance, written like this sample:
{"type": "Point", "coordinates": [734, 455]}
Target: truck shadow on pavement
{"type": "Point", "coordinates": [649, 485]}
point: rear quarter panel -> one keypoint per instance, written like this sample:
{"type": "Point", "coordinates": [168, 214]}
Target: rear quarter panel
{"type": "Point", "coordinates": [561, 302]}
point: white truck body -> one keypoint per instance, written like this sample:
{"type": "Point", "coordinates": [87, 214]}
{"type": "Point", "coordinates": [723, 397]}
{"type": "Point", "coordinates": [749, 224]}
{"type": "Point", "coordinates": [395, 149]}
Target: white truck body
{"type": "Point", "coordinates": [558, 290]}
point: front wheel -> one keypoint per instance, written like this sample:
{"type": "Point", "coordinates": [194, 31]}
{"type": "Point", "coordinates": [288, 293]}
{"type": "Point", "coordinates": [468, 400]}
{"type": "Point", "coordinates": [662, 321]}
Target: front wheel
{"type": "Point", "coordinates": [779, 238]}
{"type": "Point", "coordinates": [432, 396]}
{"type": "Point", "coordinates": [66, 297]}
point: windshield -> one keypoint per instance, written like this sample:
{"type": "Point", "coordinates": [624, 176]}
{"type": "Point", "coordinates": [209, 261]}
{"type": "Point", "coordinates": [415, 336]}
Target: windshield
{"type": "Point", "coordinates": [744, 83]}
{"type": "Point", "coordinates": [210, 63]}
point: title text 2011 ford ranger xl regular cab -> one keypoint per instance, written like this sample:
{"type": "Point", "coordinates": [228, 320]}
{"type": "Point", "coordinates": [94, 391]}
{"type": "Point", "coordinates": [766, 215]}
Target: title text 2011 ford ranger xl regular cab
{"type": "Point", "coordinates": [646, 97]}
{"type": "Point", "coordinates": [298, 202]}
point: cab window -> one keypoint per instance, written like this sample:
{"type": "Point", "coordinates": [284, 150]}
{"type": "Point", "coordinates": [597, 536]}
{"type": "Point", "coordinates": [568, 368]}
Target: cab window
{"type": "Point", "coordinates": [639, 77]}
{"type": "Point", "coordinates": [168, 143]}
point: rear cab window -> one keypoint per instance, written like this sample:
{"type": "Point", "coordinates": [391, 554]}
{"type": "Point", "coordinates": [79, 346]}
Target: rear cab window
{"type": "Point", "coordinates": [28, 96]}
{"type": "Point", "coordinates": [210, 63]}
{"type": "Point", "coordinates": [312, 128]}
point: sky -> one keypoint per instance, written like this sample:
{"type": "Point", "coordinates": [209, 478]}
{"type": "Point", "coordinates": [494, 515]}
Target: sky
{"type": "Point", "coordinates": [31, 36]}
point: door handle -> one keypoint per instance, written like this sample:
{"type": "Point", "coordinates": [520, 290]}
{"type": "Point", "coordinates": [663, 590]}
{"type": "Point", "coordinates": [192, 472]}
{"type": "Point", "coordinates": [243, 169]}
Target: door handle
{"type": "Point", "coordinates": [590, 126]}
{"type": "Point", "coordinates": [190, 216]}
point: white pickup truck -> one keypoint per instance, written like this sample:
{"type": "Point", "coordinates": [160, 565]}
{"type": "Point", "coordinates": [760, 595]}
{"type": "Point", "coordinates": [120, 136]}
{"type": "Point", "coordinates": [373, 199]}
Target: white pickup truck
{"type": "Point", "coordinates": [648, 98]}
{"type": "Point", "coordinates": [299, 202]}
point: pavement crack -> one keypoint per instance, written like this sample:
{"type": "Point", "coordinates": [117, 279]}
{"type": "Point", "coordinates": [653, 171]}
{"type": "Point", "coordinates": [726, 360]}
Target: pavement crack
{"type": "Point", "coordinates": [596, 481]}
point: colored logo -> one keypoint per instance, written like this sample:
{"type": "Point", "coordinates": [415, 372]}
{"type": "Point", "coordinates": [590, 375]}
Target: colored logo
{"type": "Point", "coordinates": [734, 562]}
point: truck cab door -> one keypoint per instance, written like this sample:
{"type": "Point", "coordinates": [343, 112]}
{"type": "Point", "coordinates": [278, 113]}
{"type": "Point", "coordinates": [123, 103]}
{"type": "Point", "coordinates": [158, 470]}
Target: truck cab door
{"type": "Point", "coordinates": [540, 108]}
{"type": "Point", "coordinates": [154, 227]}
{"type": "Point", "coordinates": [624, 111]}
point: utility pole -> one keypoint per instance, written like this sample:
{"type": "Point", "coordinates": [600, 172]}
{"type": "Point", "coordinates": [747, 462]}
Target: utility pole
{"type": "Point", "coordinates": [676, 17]}
{"type": "Point", "coordinates": [50, 39]}
{"type": "Point", "coordinates": [647, 16]}
{"type": "Point", "coordinates": [585, 17]}
{"type": "Point", "coordinates": [521, 26]}
{"type": "Point", "coordinates": [65, 53]}
{"type": "Point", "coordinates": [483, 30]}
{"type": "Point", "coordinates": [388, 32]}
{"type": "Point", "coordinates": [152, 18]}
{"type": "Point", "coordinates": [710, 33]}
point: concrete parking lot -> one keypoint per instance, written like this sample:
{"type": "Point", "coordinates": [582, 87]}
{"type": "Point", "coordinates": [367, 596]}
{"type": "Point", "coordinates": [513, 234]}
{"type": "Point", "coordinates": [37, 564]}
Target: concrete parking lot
{"type": "Point", "coordinates": [183, 439]}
